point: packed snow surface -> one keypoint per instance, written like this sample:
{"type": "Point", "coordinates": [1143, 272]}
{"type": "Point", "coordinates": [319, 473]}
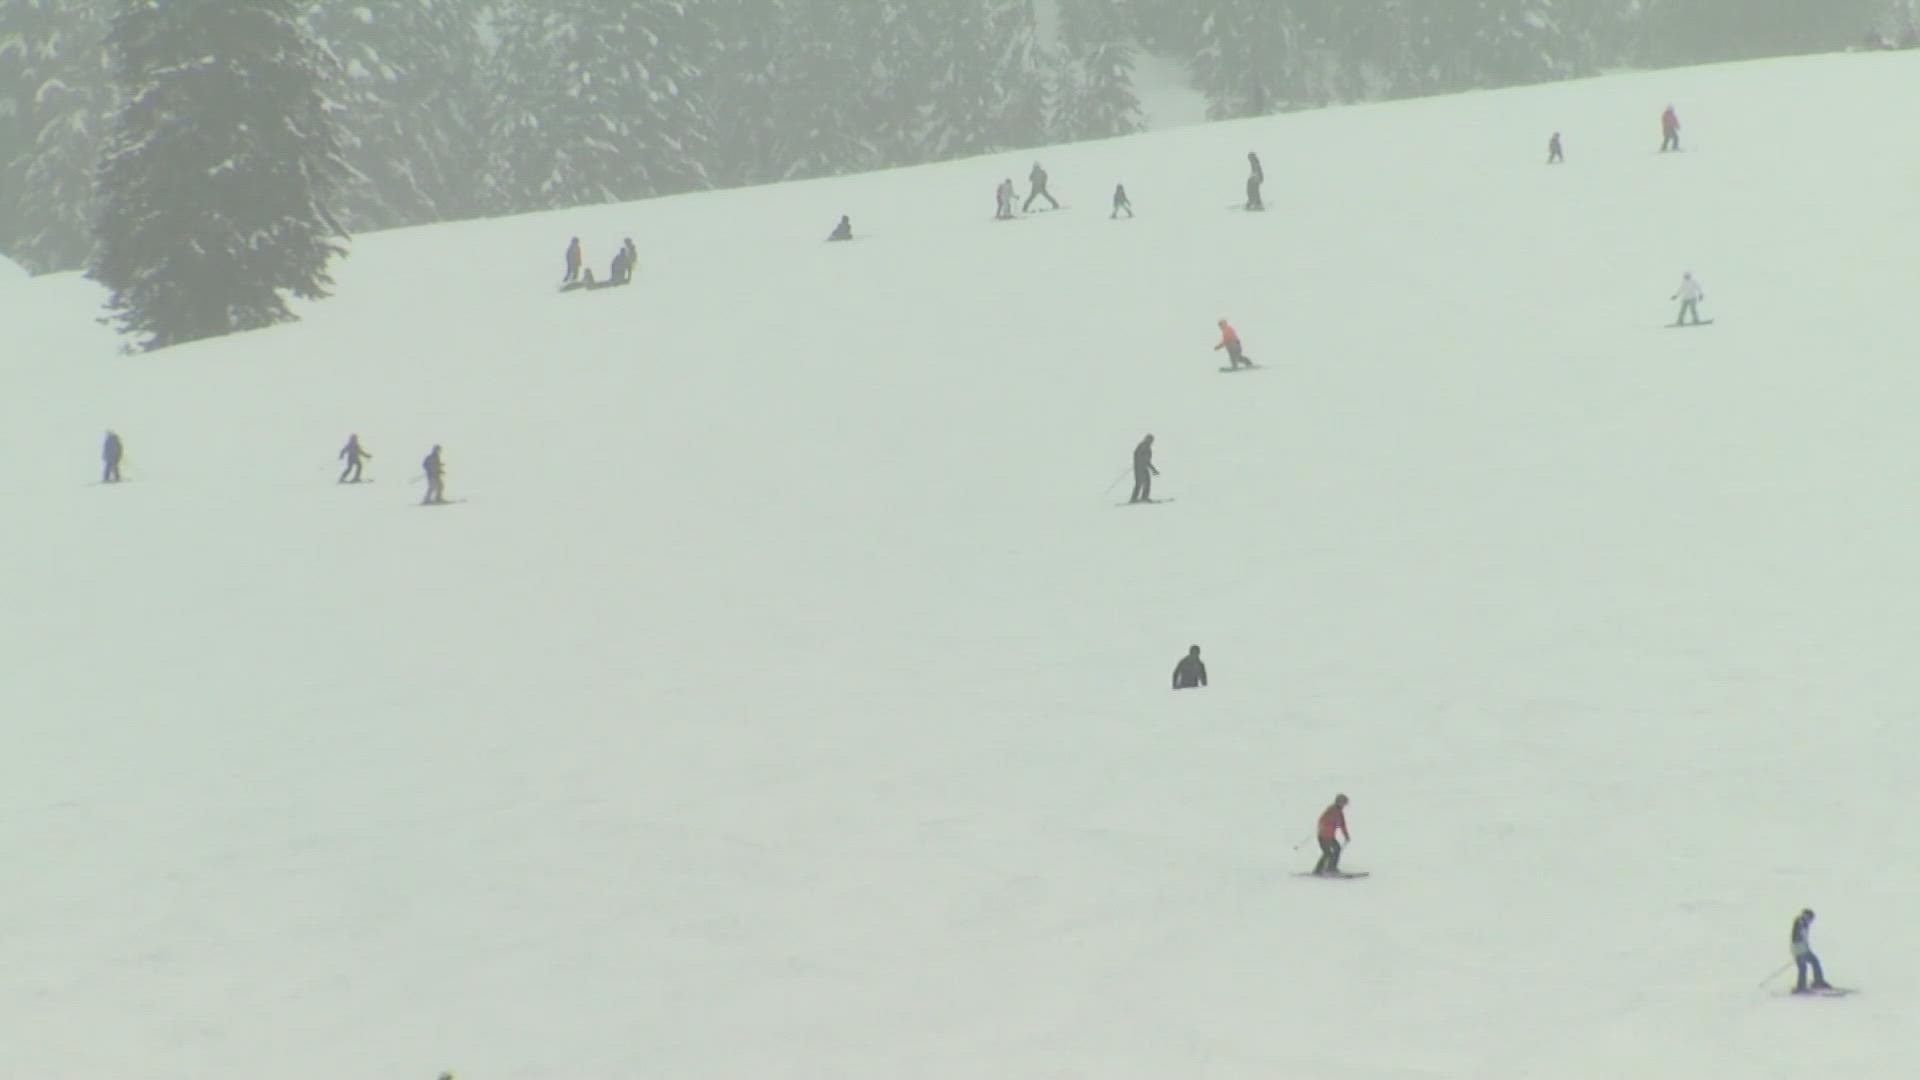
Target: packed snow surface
{"type": "Point", "coordinates": [790, 699]}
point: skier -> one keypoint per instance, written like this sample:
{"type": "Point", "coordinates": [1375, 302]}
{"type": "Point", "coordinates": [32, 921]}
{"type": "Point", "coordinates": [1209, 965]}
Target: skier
{"type": "Point", "coordinates": [1254, 180]}
{"type": "Point", "coordinates": [353, 455]}
{"type": "Point", "coordinates": [1803, 957]}
{"type": "Point", "coordinates": [1120, 202]}
{"type": "Point", "coordinates": [618, 273]}
{"type": "Point", "coordinates": [1038, 178]}
{"type": "Point", "coordinates": [1143, 471]}
{"type": "Point", "coordinates": [1190, 672]}
{"type": "Point", "coordinates": [1333, 824]}
{"type": "Point", "coordinates": [1230, 341]}
{"type": "Point", "coordinates": [1690, 294]}
{"type": "Point", "coordinates": [1669, 130]}
{"type": "Point", "coordinates": [436, 487]}
{"type": "Point", "coordinates": [110, 455]}
{"type": "Point", "coordinates": [1554, 156]}
{"type": "Point", "coordinates": [573, 261]}
{"type": "Point", "coordinates": [1003, 200]}
{"type": "Point", "coordinates": [842, 231]}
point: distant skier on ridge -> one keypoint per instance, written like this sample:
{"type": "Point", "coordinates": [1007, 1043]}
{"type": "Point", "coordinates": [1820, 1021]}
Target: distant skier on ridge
{"type": "Point", "coordinates": [1038, 178]}
{"type": "Point", "coordinates": [1800, 943]}
{"type": "Point", "coordinates": [111, 452]}
{"type": "Point", "coordinates": [1230, 341]}
{"type": "Point", "coordinates": [1689, 294]}
{"type": "Point", "coordinates": [1333, 824]}
{"type": "Point", "coordinates": [1143, 471]}
{"type": "Point", "coordinates": [1669, 130]}
{"type": "Point", "coordinates": [353, 455]}
{"type": "Point", "coordinates": [1190, 672]}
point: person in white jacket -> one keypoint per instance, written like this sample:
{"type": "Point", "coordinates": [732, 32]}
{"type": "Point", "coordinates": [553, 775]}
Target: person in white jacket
{"type": "Point", "coordinates": [1690, 294]}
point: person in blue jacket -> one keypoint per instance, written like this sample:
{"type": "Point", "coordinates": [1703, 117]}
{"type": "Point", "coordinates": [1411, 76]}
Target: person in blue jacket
{"type": "Point", "coordinates": [1803, 957]}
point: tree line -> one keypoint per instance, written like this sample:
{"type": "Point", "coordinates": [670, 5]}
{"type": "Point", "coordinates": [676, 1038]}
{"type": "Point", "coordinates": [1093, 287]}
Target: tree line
{"type": "Point", "coordinates": [285, 125]}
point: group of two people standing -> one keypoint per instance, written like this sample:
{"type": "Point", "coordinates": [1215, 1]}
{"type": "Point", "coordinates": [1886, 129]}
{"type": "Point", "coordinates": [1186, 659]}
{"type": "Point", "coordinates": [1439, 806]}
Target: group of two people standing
{"type": "Point", "coordinates": [431, 467]}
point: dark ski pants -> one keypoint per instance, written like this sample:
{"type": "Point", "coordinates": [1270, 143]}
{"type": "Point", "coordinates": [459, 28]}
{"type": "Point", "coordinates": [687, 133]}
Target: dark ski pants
{"type": "Point", "coordinates": [1803, 962]}
{"type": "Point", "coordinates": [110, 474]}
{"type": "Point", "coordinates": [1253, 193]}
{"type": "Point", "coordinates": [436, 491]}
{"type": "Point", "coordinates": [1039, 193]}
{"type": "Point", "coordinates": [1004, 210]}
{"type": "Point", "coordinates": [1118, 207]}
{"type": "Point", "coordinates": [1142, 485]}
{"type": "Point", "coordinates": [1670, 142]}
{"type": "Point", "coordinates": [1689, 313]}
{"type": "Point", "coordinates": [1236, 358]}
{"type": "Point", "coordinates": [351, 474]}
{"type": "Point", "coordinates": [1555, 158]}
{"type": "Point", "coordinates": [1329, 856]}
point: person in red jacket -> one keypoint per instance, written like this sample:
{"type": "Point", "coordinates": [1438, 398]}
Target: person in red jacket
{"type": "Point", "coordinates": [1669, 130]}
{"type": "Point", "coordinates": [1333, 824]}
{"type": "Point", "coordinates": [1230, 341]}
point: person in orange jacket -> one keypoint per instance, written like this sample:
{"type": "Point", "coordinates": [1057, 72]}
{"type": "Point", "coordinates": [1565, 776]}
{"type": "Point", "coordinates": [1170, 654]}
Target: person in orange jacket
{"type": "Point", "coordinates": [1230, 341]}
{"type": "Point", "coordinates": [1333, 825]}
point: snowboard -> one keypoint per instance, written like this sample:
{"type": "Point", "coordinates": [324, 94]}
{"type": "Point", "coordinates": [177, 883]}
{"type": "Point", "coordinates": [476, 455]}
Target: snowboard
{"type": "Point", "coordinates": [1248, 209]}
{"type": "Point", "coordinates": [1145, 502]}
{"type": "Point", "coordinates": [1242, 367]}
{"type": "Point", "coordinates": [1684, 325]}
{"type": "Point", "coordinates": [1343, 875]}
{"type": "Point", "coordinates": [442, 502]}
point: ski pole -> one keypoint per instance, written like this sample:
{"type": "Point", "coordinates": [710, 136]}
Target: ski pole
{"type": "Point", "coordinates": [1116, 481]}
{"type": "Point", "coordinates": [1777, 972]}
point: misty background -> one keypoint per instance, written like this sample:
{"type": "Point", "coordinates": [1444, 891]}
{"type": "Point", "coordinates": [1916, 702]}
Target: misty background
{"type": "Point", "coordinates": [448, 109]}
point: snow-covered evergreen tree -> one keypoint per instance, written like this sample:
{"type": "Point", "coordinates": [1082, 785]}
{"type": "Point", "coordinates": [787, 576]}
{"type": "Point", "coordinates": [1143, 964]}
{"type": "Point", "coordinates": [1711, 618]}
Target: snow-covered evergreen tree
{"type": "Point", "coordinates": [58, 89]}
{"type": "Point", "coordinates": [411, 106]}
{"type": "Point", "coordinates": [217, 176]}
{"type": "Point", "coordinates": [1024, 73]}
{"type": "Point", "coordinates": [599, 101]}
{"type": "Point", "coordinates": [822, 121]}
{"type": "Point", "coordinates": [1241, 62]}
{"type": "Point", "coordinates": [740, 84]}
{"type": "Point", "coordinates": [1096, 97]}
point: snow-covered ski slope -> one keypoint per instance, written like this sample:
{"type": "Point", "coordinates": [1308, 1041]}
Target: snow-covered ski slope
{"type": "Point", "coordinates": [789, 700]}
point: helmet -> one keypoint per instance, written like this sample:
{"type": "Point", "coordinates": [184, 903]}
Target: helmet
{"type": "Point", "coordinates": [1339, 800]}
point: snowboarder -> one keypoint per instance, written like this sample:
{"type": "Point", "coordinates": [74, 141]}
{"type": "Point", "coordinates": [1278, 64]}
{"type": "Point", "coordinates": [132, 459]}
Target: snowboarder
{"type": "Point", "coordinates": [1038, 178]}
{"type": "Point", "coordinates": [1803, 958]}
{"type": "Point", "coordinates": [1254, 180]}
{"type": "Point", "coordinates": [1230, 341]}
{"type": "Point", "coordinates": [1143, 471]}
{"type": "Point", "coordinates": [842, 231]}
{"type": "Point", "coordinates": [353, 456]}
{"type": "Point", "coordinates": [621, 271]}
{"type": "Point", "coordinates": [1003, 200]}
{"type": "Point", "coordinates": [1554, 154]}
{"type": "Point", "coordinates": [573, 261]}
{"type": "Point", "coordinates": [1690, 294]}
{"type": "Point", "coordinates": [1669, 130]}
{"type": "Point", "coordinates": [110, 454]}
{"type": "Point", "coordinates": [1120, 202]}
{"type": "Point", "coordinates": [434, 470]}
{"type": "Point", "coordinates": [1190, 672]}
{"type": "Point", "coordinates": [1333, 824]}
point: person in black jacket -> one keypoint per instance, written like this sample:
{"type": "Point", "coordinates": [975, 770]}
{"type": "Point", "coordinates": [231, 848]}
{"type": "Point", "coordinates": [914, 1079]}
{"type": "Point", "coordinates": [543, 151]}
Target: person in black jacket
{"type": "Point", "coordinates": [1555, 155]}
{"type": "Point", "coordinates": [1038, 178]}
{"type": "Point", "coordinates": [1254, 179]}
{"type": "Point", "coordinates": [1143, 471]}
{"type": "Point", "coordinates": [573, 261]}
{"type": "Point", "coordinates": [842, 231]}
{"type": "Point", "coordinates": [1190, 672]}
{"type": "Point", "coordinates": [353, 456]}
{"type": "Point", "coordinates": [1120, 202]}
{"type": "Point", "coordinates": [436, 484]}
{"type": "Point", "coordinates": [110, 454]}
